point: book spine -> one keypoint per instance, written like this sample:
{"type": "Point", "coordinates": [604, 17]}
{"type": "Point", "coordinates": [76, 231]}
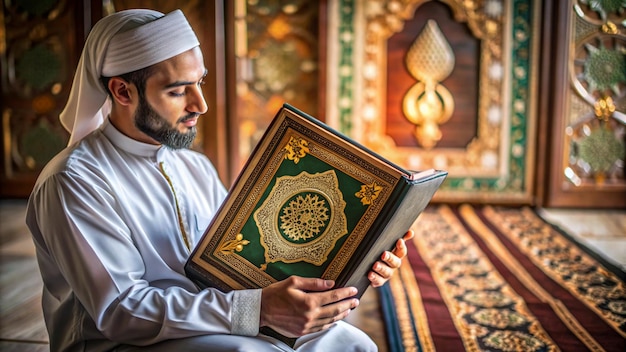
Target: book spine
{"type": "Point", "coordinates": [412, 197]}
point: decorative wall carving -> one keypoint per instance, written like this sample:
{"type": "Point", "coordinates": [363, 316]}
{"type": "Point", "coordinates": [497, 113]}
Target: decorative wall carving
{"type": "Point", "coordinates": [36, 57]}
{"type": "Point", "coordinates": [595, 145]}
{"type": "Point", "coordinates": [496, 164]}
{"type": "Point", "coordinates": [276, 61]}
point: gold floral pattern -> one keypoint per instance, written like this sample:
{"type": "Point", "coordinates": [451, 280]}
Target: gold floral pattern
{"type": "Point", "coordinates": [369, 193]}
{"type": "Point", "coordinates": [296, 149]}
{"type": "Point", "coordinates": [232, 246]}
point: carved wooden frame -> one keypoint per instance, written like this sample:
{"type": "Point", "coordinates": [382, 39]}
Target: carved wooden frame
{"type": "Point", "coordinates": [498, 165]}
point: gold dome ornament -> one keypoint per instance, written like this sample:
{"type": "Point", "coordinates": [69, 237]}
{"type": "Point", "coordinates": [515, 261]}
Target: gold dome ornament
{"type": "Point", "coordinates": [429, 104]}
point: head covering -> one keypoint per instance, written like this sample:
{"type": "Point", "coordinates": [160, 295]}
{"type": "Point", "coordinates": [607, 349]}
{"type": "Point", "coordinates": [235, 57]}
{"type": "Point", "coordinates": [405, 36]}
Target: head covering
{"type": "Point", "coordinates": [120, 43]}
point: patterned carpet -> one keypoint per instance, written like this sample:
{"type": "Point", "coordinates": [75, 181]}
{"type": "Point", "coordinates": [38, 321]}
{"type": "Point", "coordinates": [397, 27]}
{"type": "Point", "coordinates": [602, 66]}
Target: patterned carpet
{"type": "Point", "coordinates": [501, 279]}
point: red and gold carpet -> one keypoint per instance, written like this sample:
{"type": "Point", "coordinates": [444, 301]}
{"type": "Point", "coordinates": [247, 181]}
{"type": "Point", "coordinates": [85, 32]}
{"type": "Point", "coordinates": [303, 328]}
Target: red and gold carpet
{"type": "Point", "coordinates": [501, 279]}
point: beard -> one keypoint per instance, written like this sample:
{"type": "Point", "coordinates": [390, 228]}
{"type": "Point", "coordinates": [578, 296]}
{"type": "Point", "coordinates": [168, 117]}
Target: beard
{"type": "Point", "coordinates": [158, 128]}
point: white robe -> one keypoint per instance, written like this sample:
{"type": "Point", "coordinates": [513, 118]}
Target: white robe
{"type": "Point", "coordinates": [111, 252]}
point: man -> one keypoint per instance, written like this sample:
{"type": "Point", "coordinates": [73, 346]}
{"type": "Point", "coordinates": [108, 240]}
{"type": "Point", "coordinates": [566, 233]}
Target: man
{"type": "Point", "coordinates": [115, 215]}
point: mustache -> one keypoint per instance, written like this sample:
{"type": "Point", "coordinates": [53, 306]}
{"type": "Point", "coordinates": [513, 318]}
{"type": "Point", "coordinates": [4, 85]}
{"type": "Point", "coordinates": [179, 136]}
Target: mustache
{"type": "Point", "coordinates": [190, 116]}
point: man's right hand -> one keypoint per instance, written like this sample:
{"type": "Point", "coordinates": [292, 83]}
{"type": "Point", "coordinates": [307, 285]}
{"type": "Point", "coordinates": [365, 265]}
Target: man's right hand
{"type": "Point", "coordinates": [298, 306]}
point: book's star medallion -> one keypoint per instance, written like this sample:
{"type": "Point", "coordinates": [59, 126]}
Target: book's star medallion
{"type": "Point", "coordinates": [296, 149]}
{"type": "Point", "coordinates": [302, 218]}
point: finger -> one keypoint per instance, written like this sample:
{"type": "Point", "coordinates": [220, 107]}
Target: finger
{"type": "Point", "coordinates": [325, 315]}
{"type": "Point", "coordinates": [325, 323]}
{"type": "Point", "coordinates": [383, 269]}
{"type": "Point", "coordinates": [400, 250]}
{"type": "Point", "coordinates": [336, 295]}
{"type": "Point", "coordinates": [408, 235]}
{"type": "Point", "coordinates": [375, 279]}
{"type": "Point", "coordinates": [329, 314]}
{"type": "Point", "coordinates": [392, 259]}
{"type": "Point", "coordinates": [311, 284]}
{"type": "Point", "coordinates": [336, 311]}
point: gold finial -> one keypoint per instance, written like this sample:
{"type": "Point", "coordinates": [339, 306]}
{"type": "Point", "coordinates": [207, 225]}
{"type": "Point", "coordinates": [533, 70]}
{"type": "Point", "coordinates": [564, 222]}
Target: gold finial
{"type": "Point", "coordinates": [604, 108]}
{"type": "Point", "coordinates": [428, 104]}
{"type": "Point", "coordinates": [609, 28]}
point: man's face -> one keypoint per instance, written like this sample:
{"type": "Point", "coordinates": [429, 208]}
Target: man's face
{"type": "Point", "coordinates": [173, 101]}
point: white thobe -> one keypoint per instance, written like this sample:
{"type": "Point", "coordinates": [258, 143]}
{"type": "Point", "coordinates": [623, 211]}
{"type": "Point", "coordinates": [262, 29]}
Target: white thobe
{"type": "Point", "coordinates": [113, 221]}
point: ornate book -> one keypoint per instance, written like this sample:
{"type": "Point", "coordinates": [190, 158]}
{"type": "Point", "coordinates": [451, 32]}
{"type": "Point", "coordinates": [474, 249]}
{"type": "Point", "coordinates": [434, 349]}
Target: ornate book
{"type": "Point", "coordinates": [309, 202]}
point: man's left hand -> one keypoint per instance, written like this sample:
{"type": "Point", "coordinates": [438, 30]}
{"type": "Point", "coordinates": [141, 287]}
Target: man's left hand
{"type": "Point", "coordinates": [389, 262]}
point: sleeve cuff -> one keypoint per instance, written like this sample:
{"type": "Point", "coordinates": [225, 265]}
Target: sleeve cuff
{"type": "Point", "coordinates": [246, 312]}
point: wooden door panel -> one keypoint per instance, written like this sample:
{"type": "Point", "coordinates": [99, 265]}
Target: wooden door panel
{"type": "Point", "coordinates": [586, 142]}
{"type": "Point", "coordinates": [42, 43]}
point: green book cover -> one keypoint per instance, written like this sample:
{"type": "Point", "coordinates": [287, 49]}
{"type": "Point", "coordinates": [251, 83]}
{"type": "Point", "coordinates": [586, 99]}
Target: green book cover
{"type": "Point", "coordinates": [309, 202]}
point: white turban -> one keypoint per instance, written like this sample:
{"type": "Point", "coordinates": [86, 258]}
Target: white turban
{"type": "Point", "coordinates": [120, 43]}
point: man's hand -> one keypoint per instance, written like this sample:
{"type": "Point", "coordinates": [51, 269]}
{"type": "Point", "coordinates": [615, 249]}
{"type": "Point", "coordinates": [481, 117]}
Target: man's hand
{"type": "Point", "coordinates": [298, 306]}
{"type": "Point", "coordinates": [383, 269]}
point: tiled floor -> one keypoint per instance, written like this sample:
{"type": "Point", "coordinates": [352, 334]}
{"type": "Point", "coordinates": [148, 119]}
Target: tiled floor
{"type": "Point", "coordinates": [602, 231]}
{"type": "Point", "coordinates": [21, 320]}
